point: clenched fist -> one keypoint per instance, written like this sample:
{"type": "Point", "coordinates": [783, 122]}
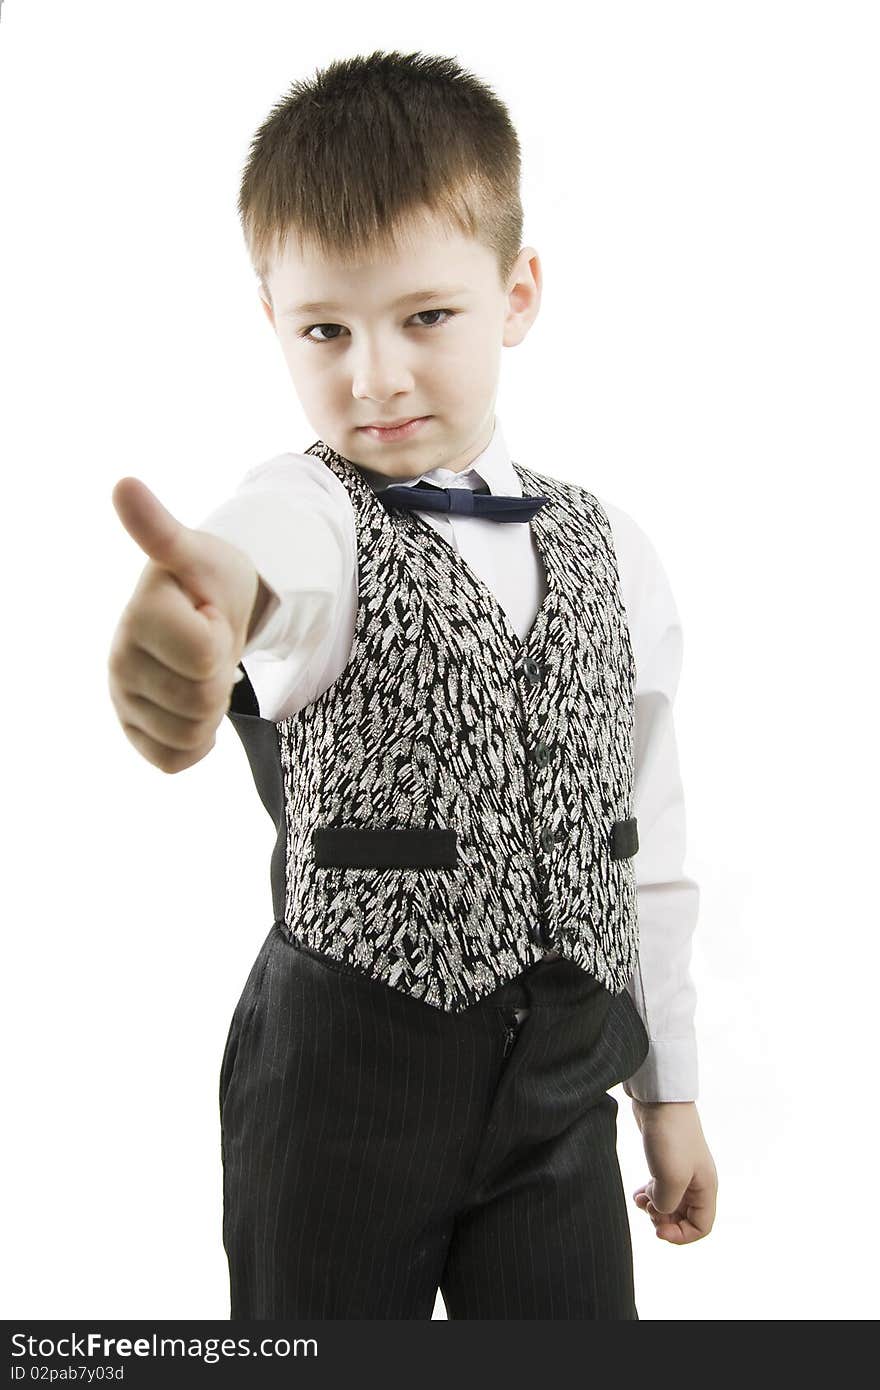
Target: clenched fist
{"type": "Point", "coordinates": [177, 645]}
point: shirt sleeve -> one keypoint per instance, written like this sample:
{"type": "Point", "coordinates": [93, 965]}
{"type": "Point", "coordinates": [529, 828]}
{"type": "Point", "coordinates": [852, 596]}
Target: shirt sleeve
{"type": "Point", "coordinates": [291, 520]}
{"type": "Point", "coordinates": [662, 988]}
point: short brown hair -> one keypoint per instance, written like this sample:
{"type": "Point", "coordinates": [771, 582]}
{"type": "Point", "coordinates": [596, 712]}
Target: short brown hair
{"type": "Point", "coordinates": [346, 160]}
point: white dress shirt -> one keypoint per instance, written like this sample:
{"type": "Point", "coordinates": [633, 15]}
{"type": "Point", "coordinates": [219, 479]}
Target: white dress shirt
{"type": "Point", "coordinates": [293, 517]}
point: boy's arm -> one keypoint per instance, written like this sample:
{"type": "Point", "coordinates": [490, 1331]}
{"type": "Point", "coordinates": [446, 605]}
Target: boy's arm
{"type": "Point", "coordinates": [294, 521]}
{"type": "Point", "coordinates": [668, 901]}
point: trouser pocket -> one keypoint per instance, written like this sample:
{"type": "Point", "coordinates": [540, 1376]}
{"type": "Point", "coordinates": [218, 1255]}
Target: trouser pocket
{"type": "Point", "coordinates": [242, 1016]}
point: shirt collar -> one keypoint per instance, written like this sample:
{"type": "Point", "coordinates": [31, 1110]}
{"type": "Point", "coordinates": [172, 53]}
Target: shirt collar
{"type": "Point", "coordinates": [493, 467]}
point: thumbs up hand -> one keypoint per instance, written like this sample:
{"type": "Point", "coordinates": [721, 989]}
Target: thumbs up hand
{"type": "Point", "coordinates": [176, 647]}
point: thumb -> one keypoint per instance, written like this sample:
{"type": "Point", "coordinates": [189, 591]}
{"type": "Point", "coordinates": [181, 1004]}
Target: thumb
{"type": "Point", "coordinates": [164, 539]}
{"type": "Point", "coordinates": [665, 1195]}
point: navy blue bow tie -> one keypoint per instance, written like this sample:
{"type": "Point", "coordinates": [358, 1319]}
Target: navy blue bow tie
{"type": "Point", "coordinates": [428, 497]}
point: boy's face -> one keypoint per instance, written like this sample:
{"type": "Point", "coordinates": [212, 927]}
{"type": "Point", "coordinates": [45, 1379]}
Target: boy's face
{"type": "Point", "coordinates": [368, 360]}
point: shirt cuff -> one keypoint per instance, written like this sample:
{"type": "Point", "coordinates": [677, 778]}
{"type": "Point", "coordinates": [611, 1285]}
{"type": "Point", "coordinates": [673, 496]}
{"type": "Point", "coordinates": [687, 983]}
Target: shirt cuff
{"type": "Point", "coordinates": [669, 1072]}
{"type": "Point", "coordinates": [300, 557]}
{"type": "Point", "coordinates": [270, 629]}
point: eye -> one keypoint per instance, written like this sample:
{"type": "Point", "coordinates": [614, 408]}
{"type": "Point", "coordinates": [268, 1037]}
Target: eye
{"type": "Point", "coordinates": [448, 312]}
{"type": "Point", "coordinates": [306, 333]}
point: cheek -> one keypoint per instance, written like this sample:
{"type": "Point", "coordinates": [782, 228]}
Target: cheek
{"type": "Point", "coordinates": [310, 377]}
{"type": "Point", "coordinates": [465, 370]}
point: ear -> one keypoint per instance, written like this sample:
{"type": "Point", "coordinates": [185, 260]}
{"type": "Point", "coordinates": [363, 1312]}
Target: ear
{"type": "Point", "coordinates": [270, 312]}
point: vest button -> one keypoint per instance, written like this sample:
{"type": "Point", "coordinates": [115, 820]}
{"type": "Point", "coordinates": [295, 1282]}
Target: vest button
{"type": "Point", "coordinates": [533, 671]}
{"type": "Point", "coordinates": [548, 837]}
{"type": "Point", "coordinates": [543, 754]}
{"type": "Point", "coordinates": [536, 935]}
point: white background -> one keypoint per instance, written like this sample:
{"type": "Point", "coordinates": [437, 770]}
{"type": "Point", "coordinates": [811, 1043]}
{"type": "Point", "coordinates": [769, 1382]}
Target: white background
{"type": "Point", "coordinates": [700, 181]}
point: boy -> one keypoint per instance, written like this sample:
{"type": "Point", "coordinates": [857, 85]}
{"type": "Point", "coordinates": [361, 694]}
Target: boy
{"type": "Point", "coordinates": [440, 711]}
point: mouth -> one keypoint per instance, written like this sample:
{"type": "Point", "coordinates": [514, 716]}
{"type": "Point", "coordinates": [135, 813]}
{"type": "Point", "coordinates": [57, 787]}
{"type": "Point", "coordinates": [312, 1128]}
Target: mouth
{"type": "Point", "coordinates": [402, 431]}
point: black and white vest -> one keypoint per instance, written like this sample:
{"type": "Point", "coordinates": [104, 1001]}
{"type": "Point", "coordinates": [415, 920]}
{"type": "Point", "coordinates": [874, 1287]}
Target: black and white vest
{"type": "Point", "coordinates": [459, 801]}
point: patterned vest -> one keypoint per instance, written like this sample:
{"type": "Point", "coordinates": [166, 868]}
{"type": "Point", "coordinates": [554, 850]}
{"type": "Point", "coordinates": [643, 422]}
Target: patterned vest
{"type": "Point", "coordinates": [458, 801]}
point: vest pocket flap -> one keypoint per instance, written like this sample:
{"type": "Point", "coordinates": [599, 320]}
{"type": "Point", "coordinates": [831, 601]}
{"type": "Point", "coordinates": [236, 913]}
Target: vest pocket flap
{"type": "Point", "coordinates": [356, 847]}
{"type": "Point", "coordinates": [624, 838]}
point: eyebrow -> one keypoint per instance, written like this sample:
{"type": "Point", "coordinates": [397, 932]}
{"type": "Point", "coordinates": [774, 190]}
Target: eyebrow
{"type": "Point", "coordinates": [447, 293]}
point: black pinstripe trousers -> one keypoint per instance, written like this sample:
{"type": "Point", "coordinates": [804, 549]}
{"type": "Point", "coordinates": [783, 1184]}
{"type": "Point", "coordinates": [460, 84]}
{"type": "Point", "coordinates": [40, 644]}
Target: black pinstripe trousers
{"type": "Point", "coordinates": [375, 1148]}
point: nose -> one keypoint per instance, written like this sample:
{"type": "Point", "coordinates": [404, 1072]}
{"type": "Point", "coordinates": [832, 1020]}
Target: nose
{"type": "Point", "coordinates": [379, 376]}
